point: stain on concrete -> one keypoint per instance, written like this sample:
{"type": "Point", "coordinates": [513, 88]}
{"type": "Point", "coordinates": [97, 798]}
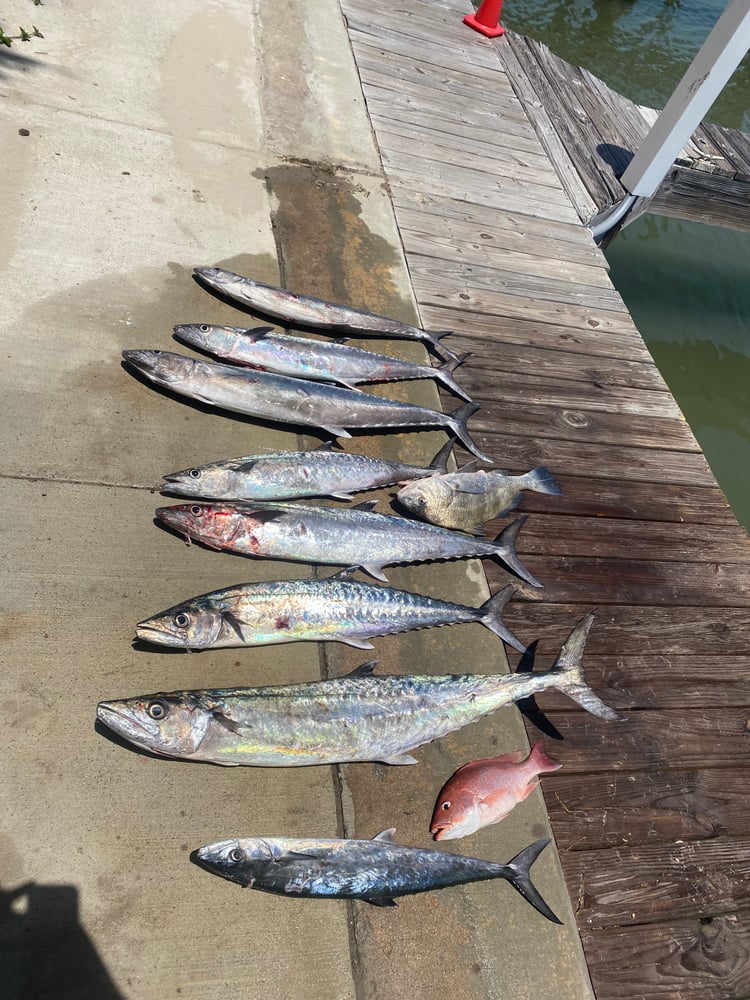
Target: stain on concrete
{"type": "Point", "coordinates": [325, 247]}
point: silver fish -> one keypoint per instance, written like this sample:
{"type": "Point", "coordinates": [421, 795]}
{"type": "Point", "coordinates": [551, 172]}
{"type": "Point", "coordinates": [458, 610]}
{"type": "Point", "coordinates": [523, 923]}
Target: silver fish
{"type": "Point", "coordinates": [338, 536]}
{"type": "Point", "coordinates": [290, 475]}
{"type": "Point", "coordinates": [337, 609]}
{"type": "Point", "coordinates": [376, 871]}
{"type": "Point", "coordinates": [357, 718]}
{"type": "Point", "coordinates": [305, 310]}
{"type": "Point", "coordinates": [464, 500]}
{"type": "Point", "coordinates": [292, 400]}
{"type": "Point", "coordinates": [320, 360]}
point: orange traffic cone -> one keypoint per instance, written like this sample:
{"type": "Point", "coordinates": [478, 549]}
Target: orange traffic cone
{"type": "Point", "coordinates": [487, 19]}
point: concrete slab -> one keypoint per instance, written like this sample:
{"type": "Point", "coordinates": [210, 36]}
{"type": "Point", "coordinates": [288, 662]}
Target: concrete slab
{"type": "Point", "coordinates": [160, 138]}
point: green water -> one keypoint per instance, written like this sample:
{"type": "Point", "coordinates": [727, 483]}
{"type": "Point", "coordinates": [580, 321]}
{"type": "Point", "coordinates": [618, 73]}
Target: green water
{"type": "Point", "coordinates": [687, 285]}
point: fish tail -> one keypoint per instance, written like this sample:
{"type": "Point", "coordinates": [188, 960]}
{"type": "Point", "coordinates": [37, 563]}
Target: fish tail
{"type": "Point", "coordinates": [506, 549]}
{"type": "Point", "coordinates": [568, 671]}
{"type": "Point", "coordinates": [444, 374]}
{"type": "Point", "coordinates": [517, 872]}
{"type": "Point", "coordinates": [492, 617]}
{"type": "Point", "coordinates": [457, 422]}
{"type": "Point", "coordinates": [542, 481]}
{"type": "Point", "coordinates": [433, 339]}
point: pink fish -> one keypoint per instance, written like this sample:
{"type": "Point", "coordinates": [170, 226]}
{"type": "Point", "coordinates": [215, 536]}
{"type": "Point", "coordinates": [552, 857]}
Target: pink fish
{"type": "Point", "coordinates": [485, 791]}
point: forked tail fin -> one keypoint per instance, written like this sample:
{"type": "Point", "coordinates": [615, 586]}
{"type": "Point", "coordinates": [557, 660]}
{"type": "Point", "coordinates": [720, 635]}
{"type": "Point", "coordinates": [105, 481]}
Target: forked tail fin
{"type": "Point", "coordinates": [444, 375]}
{"type": "Point", "coordinates": [517, 872]}
{"type": "Point", "coordinates": [457, 422]}
{"type": "Point", "coordinates": [506, 549]}
{"type": "Point", "coordinates": [492, 617]}
{"type": "Point", "coordinates": [567, 674]}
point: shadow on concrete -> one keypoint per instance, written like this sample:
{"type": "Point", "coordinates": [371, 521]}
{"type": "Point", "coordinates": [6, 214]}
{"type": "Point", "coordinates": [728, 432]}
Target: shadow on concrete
{"type": "Point", "coordinates": [45, 954]}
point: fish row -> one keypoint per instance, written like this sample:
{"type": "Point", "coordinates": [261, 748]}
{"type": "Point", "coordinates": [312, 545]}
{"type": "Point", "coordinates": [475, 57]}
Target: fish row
{"type": "Point", "coordinates": [362, 716]}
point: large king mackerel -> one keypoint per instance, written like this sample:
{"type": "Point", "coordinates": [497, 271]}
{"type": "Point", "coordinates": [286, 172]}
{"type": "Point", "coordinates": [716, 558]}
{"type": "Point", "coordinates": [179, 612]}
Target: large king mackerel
{"type": "Point", "coordinates": [377, 871]}
{"type": "Point", "coordinates": [290, 475]}
{"type": "Point", "coordinates": [305, 310]}
{"type": "Point", "coordinates": [337, 609]}
{"type": "Point", "coordinates": [337, 536]}
{"type": "Point", "coordinates": [320, 360]}
{"type": "Point", "coordinates": [292, 400]}
{"type": "Point", "coordinates": [356, 718]}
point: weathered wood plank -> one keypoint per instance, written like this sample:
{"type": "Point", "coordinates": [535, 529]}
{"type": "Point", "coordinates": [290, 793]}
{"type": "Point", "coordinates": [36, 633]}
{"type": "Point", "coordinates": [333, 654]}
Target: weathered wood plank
{"type": "Point", "coordinates": [650, 631]}
{"type": "Point", "coordinates": [594, 812]}
{"type": "Point", "coordinates": [639, 885]}
{"type": "Point", "coordinates": [497, 233]}
{"type": "Point", "coordinates": [650, 740]}
{"type": "Point", "coordinates": [602, 188]}
{"type": "Point", "coordinates": [519, 306]}
{"type": "Point", "coordinates": [632, 441]}
{"type": "Point", "coordinates": [586, 496]}
{"type": "Point", "coordinates": [497, 222]}
{"type": "Point", "coordinates": [397, 143]}
{"type": "Point", "coordinates": [479, 332]}
{"type": "Point", "coordinates": [567, 170]}
{"type": "Point", "coordinates": [527, 164]}
{"type": "Point", "coordinates": [709, 198]}
{"type": "Point", "coordinates": [663, 680]}
{"type": "Point", "coordinates": [550, 534]}
{"type": "Point", "coordinates": [573, 394]}
{"type": "Point", "coordinates": [485, 254]}
{"type": "Point", "coordinates": [470, 185]}
{"type": "Point", "coordinates": [693, 959]}
{"type": "Point", "coordinates": [447, 78]}
{"type": "Point", "coordinates": [633, 581]}
{"type": "Point", "coordinates": [499, 357]}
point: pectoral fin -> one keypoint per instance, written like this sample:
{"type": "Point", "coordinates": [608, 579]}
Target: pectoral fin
{"type": "Point", "coordinates": [383, 901]}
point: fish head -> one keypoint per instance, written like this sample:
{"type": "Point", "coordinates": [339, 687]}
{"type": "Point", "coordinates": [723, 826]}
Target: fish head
{"type": "Point", "coordinates": [191, 625]}
{"type": "Point", "coordinates": [212, 523]}
{"type": "Point", "coordinates": [169, 724]}
{"type": "Point", "coordinates": [219, 278]}
{"type": "Point", "coordinates": [162, 367]}
{"type": "Point", "coordinates": [204, 336]}
{"type": "Point", "coordinates": [456, 814]}
{"type": "Point", "coordinates": [240, 861]}
{"type": "Point", "coordinates": [423, 495]}
{"type": "Point", "coordinates": [197, 482]}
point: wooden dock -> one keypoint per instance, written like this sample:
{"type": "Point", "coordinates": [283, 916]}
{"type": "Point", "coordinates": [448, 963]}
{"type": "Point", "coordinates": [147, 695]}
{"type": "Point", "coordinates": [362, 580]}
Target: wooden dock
{"type": "Point", "coordinates": [651, 816]}
{"type": "Point", "coordinates": [590, 133]}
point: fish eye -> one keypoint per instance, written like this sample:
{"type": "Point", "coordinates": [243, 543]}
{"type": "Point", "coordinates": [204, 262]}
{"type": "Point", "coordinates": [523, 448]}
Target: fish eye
{"type": "Point", "coordinates": [446, 804]}
{"type": "Point", "coordinates": [157, 710]}
{"type": "Point", "coordinates": [195, 473]}
{"type": "Point", "coordinates": [236, 855]}
{"type": "Point", "coordinates": [195, 510]}
{"type": "Point", "coordinates": [204, 328]}
{"type": "Point", "coordinates": [182, 620]}
{"type": "Point", "coordinates": [156, 354]}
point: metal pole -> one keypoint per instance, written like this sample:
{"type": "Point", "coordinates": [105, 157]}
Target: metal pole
{"type": "Point", "coordinates": [708, 74]}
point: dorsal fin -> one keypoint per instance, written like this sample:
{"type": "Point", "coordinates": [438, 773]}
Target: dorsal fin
{"type": "Point", "coordinates": [386, 835]}
{"type": "Point", "coordinates": [364, 669]}
{"type": "Point", "coordinates": [368, 505]}
{"type": "Point", "coordinates": [325, 446]}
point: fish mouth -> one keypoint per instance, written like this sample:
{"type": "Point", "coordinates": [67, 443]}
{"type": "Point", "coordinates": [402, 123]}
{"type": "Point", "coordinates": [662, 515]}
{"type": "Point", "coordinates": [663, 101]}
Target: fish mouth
{"type": "Point", "coordinates": [157, 634]}
{"type": "Point", "coordinates": [172, 518]}
{"type": "Point", "coordinates": [442, 833]}
{"type": "Point", "coordinates": [122, 722]}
